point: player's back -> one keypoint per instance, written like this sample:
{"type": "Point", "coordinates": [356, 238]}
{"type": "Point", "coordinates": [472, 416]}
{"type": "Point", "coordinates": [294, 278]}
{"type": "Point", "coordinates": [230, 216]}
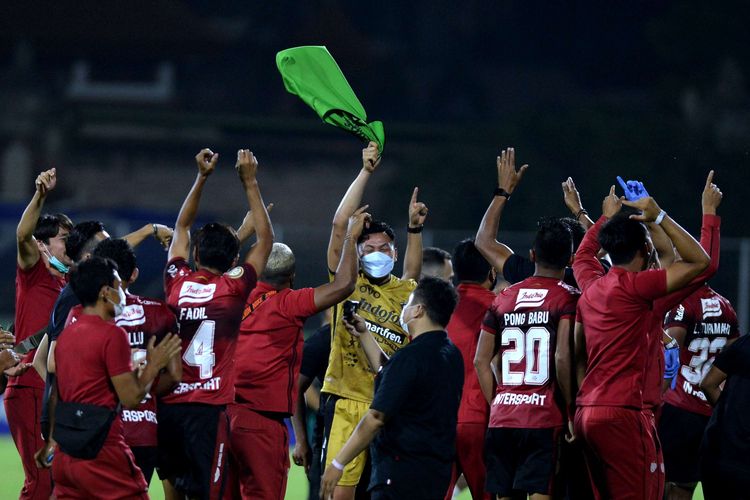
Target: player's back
{"type": "Point", "coordinates": [710, 322]}
{"type": "Point", "coordinates": [525, 317]}
{"type": "Point", "coordinates": [615, 312]}
{"type": "Point", "coordinates": [208, 308]}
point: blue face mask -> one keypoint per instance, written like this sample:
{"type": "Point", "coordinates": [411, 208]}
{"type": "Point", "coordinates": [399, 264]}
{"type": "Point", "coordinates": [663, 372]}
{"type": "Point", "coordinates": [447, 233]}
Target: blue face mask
{"type": "Point", "coordinates": [377, 264]}
{"type": "Point", "coordinates": [55, 262]}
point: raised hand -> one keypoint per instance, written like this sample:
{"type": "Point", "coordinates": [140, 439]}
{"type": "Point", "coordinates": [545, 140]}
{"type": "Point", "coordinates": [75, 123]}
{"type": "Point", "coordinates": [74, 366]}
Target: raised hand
{"type": "Point", "coordinates": [46, 181]}
{"type": "Point", "coordinates": [357, 222]}
{"type": "Point", "coordinates": [648, 207]}
{"type": "Point", "coordinates": [206, 161]}
{"type": "Point", "coordinates": [417, 210]}
{"type": "Point", "coordinates": [356, 326]}
{"type": "Point", "coordinates": [571, 196]}
{"type": "Point", "coordinates": [159, 355]}
{"type": "Point", "coordinates": [371, 157]}
{"type": "Point", "coordinates": [507, 175]}
{"type": "Point", "coordinates": [634, 190]}
{"type": "Point", "coordinates": [711, 197]}
{"type": "Point", "coordinates": [163, 235]}
{"type": "Point", "coordinates": [611, 204]}
{"type": "Point", "coordinates": [247, 165]}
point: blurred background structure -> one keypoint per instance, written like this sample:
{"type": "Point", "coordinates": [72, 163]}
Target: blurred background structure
{"type": "Point", "coordinates": [119, 96]}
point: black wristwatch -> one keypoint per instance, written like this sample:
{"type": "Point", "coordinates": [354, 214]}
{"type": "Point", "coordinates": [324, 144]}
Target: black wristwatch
{"type": "Point", "coordinates": [502, 192]}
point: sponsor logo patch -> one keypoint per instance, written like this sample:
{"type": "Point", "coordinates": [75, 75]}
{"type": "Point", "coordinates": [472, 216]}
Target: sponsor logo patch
{"type": "Point", "coordinates": [711, 308]}
{"type": "Point", "coordinates": [132, 315]}
{"type": "Point", "coordinates": [236, 272]}
{"type": "Point", "coordinates": [530, 297]}
{"type": "Point", "coordinates": [196, 293]}
{"type": "Point", "coordinates": [680, 313]}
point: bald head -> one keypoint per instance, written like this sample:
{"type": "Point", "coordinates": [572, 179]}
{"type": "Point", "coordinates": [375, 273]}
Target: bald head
{"type": "Point", "coordinates": [280, 267]}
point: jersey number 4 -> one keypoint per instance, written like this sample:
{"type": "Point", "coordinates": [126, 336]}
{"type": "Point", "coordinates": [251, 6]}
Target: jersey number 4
{"type": "Point", "coordinates": [700, 364]}
{"type": "Point", "coordinates": [200, 352]}
{"type": "Point", "coordinates": [534, 347]}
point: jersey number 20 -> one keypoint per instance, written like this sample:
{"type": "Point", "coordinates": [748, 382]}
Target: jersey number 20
{"type": "Point", "coordinates": [200, 352]}
{"type": "Point", "coordinates": [532, 345]}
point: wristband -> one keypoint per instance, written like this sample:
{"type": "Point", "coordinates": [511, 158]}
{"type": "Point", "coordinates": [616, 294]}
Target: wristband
{"type": "Point", "coordinates": [337, 465]}
{"type": "Point", "coordinates": [153, 226]}
{"type": "Point", "coordinates": [672, 344]}
{"type": "Point", "coordinates": [581, 212]}
{"type": "Point", "coordinates": [415, 230]}
{"type": "Point", "coordinates": [660, 217]}
{"type": "Point", "coordinates": [502, 192]}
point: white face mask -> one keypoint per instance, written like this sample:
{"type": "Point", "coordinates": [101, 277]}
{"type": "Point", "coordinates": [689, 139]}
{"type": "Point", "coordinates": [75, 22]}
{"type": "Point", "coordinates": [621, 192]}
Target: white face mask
{"type": "Point", "coordinates": [401, 320]}
{"type": "Point", "coordinates": [119, 307]}
{"type": "Point", "coordinates": [377, 264]}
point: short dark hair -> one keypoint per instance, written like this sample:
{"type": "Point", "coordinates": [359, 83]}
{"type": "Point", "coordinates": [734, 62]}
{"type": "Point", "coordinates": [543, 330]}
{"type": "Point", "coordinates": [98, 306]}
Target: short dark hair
{"type": "Point", "coordinates": [622, 237]}
{"type": "Point", "coordinates": [216, 246]}
{"type": "Point", "coordinates": [88, 278]}
{"type": "Point", "coordinates": [49, 225]}
{"type": "Point", "coordinates": [434, 257]}
{"type": "Point", "coordinates": [576, 230]}
{"type": "Point", "coordinates": [120, 252]}
{"type": "Point", "coordinates": [438, 297]}
{"type": "Point", "coordinates": [553, 244]}
{"type": "Point", "coordinates": [81, 239]}
{"type": "Point", "coordinates": [468, 263]}
{"type": "Point", "coordinates": [377, 227]}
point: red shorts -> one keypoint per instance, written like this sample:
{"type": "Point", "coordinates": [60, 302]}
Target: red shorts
{"type": "Point", "coordinates": [259, 453]}
{"type": "Point", "coordinates": [23, 407]}
{"type": "Point", "coordinates": [112, 474]}
{"type": "Point", "coordinates": [470, 460]}
{"type": "Point", "coordinates": [621, 452]}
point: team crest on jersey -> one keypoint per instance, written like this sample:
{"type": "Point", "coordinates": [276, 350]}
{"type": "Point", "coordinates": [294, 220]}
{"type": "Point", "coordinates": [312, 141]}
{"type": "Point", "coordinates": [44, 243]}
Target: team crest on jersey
{"type": "Point", "coordinates": [679, 313]}
{"type": "Point", "coordinates": [530, 297]}
{"type": "Point", "coordinates": [132, 315]}
{"type": "Point", "coordinates": [236, 272]}
{"type": "Point", "coordinates": [711, 308]}
{"type": "Point", "coordinates": [196, 293]}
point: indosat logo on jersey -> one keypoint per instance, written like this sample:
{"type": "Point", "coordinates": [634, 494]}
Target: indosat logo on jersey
{"type": "Point", "coordinates": [132, 315]}
{"type": "Point", "coordinates": [196, 293]}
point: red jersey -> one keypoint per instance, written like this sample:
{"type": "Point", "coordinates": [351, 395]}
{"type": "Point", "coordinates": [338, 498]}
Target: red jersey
{"type": "Point", "coordinates": [710, 321]}
{"type": "Point", "coordinates": [615, 312]}
{"type": "Point", "coordinates": [91, 352]}
{"type": "Point", "coordinates": [36, 291]}
{"type": "Point", "coordinates": [142, 319]}
{"type": "Point", "coordinates": [463, 330]}
{"type": "Point", "coordinates": [208, 309]}
{"type": "Point", "coordinates": [526, 316]}
{"type": "Point", "coordinates": [269, 348]}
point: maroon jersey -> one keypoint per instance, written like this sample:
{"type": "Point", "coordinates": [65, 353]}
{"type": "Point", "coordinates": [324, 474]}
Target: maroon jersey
{"type": "Point", "coordinates": [91, 352]}
{"type": "Point", "coordinates": [36, 291]}
{"type": "Point", "coordinates": [526, 316]}
{"type": "Point", "coordinates": [208, 309]}
{"type": "Point", "coordinates": [143, 318]}
{"type": "Point", "coordinates": [710, 321]}
{"type": "Point", "coordinates": [463, 330]}
{"type": "Point", "coordinates": [615, 312]}
{"type": "Point", "coordinates": [269, 348]}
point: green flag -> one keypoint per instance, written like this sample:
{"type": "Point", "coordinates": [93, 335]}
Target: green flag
{"type": "Point", "coordinates": [312, 74]}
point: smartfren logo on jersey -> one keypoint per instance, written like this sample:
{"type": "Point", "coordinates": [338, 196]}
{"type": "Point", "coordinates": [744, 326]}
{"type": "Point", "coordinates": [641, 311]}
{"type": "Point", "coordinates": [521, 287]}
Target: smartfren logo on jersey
{"type": "Point", "coordinates": [530, 297]}
{"type": "Point", "coordinates": [132, 315]}
{"type": "Point", "coordinates": [711, 308]}
{"type": "Point", "coordinates": [196, 293]}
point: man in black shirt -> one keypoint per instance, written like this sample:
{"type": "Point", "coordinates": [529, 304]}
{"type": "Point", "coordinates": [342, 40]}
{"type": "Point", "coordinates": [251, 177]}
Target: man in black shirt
{"type": "Point", "coordinates": [412, 419]}
{"type": "Point", "coordinates": [725, 452]}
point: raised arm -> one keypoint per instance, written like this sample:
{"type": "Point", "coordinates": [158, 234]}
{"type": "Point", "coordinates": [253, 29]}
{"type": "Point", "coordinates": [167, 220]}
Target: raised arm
{"type": "Point", "coordinates": [345, 279]}
{"type": "Point", "coordinates": [27, 253]}
{"type": "Point", "coordinates": [508, 178]}
{"type": "Point", "coordinates": [486, 350]}
{"type": "Point", "coordinates": [180, 246]}
{"type": "Point", "coordinates": [247, 167]}
{"type": "Point", "coordinates": [162, 234]}
{"type": "Point", "coordinates": [573, 201]}
{"type": "Point", "coordinates": [131, 388]}
{"type": "Point", "coordinates": [413, 256]}
{"type": "Point", "coordinates": [349, 203]}
{"type": "Point", "coordinates": [694, 258]}
{"type": "Point", "coordinates": [247, 228]}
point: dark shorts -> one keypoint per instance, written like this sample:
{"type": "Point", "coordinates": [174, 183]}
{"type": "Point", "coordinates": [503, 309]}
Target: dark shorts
{"type": "Point", "coordinates": [681, 433]}
{"type": "Point", "coordinates": [521, 460]}
{"type": "Point", "coordinates": [145, 459]}
{"type": "Point", "coordinates": [194, 448]}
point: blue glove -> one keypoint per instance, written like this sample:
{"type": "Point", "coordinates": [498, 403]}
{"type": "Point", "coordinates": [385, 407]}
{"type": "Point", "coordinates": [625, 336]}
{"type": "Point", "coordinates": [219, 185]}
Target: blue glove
{"type": "Point", "coordinates": [634, 190]}
{"type": "Point", "coordinates": [672, 364]}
